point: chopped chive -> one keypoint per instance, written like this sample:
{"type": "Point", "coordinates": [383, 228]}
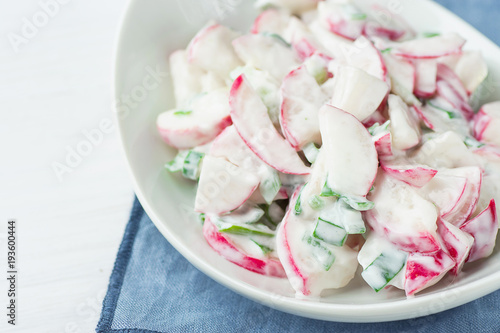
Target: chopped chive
{"type": "Point", "coordinates": [328, 192]}
{"type": "Point", "coordinates": [473, 143]}
{"type": "Point", "coordinates": [278, 37]}
{"type": "Point", "coordinates": [265, 249]}
{"type": "Point", "coordinates": [320, 252]}
{"type": "Point", "coordinates": [450, 114]}
{"type": "Point", "coordinates": [182, 113]}
{"type": "Point", "coordinates": [430, 34]}
{"type": "Point", "coordinates": [316, 202]}
{"type": "Point", "coordinates": [387, 50]}
{"type": "Point", "coordinates": [330, 233]}
{"type": "Point", "coordinates": [358, 16]}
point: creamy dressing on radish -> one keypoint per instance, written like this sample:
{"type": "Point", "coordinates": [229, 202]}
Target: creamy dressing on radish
{"type": "Point", "coordinates": [284, 129]}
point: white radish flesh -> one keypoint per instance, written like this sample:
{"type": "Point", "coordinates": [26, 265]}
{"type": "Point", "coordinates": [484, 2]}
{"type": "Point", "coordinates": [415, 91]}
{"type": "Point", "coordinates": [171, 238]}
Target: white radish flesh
{"type": "Point", "coordinates": [301, 98]}
{"type": "Point", "coordinates": [404, 127]}
{"type": "Point", "coordinates": [211, 50]}
{"type": "Point", "coordinates": [357, 92]}
{"type": "Point", "coordinates": [250, 118]}
{"type": "Point", "coordinates": [456, 242]}
{"type": "Point", "coordinates": [266, 53]}
{"type": "Point", "coordinates": [185, 78]}
{"type": "Point", "coordinates": [206, 118]}
{"type": "Point", "coordinates": [403, 216]}
{"type": "Point", "coordinates": [484, 229]}
{"type": "Point", "coordinates": [433, 47]}
{"type": "Point", "coordinates": [223, 186]}
{"type": "Point", "coordinates": [348, 147]}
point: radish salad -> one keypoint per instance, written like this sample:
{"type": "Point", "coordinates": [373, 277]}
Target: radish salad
{"type": "Point", "coordinates": [333, 138]}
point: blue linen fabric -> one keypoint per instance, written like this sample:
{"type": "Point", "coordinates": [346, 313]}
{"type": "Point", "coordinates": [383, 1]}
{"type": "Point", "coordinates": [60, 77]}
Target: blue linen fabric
{"type": "Point", "coordinates": [154, 289]}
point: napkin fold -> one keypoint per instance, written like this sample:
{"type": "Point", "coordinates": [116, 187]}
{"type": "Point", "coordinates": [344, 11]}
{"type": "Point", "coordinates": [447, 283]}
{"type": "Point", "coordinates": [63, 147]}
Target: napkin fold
{"type": "Point", "coordinates": [153, 289]}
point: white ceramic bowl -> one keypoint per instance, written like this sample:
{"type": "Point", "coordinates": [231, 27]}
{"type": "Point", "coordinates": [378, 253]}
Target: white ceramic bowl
{"type": "Point", "coordinates": [152, 29]}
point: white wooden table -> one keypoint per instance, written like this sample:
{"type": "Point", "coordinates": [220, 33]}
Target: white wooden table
{"type": "Point", "coordinates": [53, 88]}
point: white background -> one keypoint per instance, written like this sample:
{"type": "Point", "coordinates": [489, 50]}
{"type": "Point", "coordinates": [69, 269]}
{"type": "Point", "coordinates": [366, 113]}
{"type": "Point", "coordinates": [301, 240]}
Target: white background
{"type": "Point", "coordinates": [57, 85]}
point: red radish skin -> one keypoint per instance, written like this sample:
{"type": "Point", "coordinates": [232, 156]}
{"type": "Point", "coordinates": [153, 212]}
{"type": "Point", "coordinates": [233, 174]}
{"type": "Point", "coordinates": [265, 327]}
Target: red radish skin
{"type": "Point", "coordinates": [445, 73]}
{"type": "Point", "coordinates": [195, 42]}
{"type": "Point", "coordinates": [374, 29]}
{"type": "Point", "coordinates": [223, 246]}
{"type": "Point", "coordinates": [301, 98]}
{"type": "Point", "coordinates": [483, 228]}
{"type": "Point", "coordinates": [271, 20]}
{"type": "Point", "coordinates": [467, 204]}
{"type": "Point", "coordinates": [456, 242]}
{"type": "Point", "coordinates": [402, 215]}
{"type": "Point", "coordinates": [481, 122]}
{"type": "Point", "coordinates": [416, 176]}
{"type": "Point", "coordinates": [446, 91]}
{"type": "Point", "coordinates": [194, 136]}
{"type": "Point", "coordinates": [283, 239]}
{"type": "Point", "coordinates": [425, 78]}
{"type": "Point", "coordinates": [423, 271]}
{"type": "Point", "coordinates": [449, 196]}
{"type": "Point", "coordinates": [427, 122]}
{"type": "Point", "coordinates": [430, 48]}
{"type": "Point", "coordinates": [250, 118]}
{"type": "Point", "coordinates": [383, 145]}
{"type": "Point", "coordinates": [486, 124]}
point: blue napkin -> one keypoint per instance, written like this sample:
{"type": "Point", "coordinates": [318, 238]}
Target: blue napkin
{"type": "Point", "coordinates": [154, 289]}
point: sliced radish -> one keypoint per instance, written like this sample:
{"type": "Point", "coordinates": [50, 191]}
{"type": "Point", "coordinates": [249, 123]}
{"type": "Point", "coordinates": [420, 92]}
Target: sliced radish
{"type": "Point", "coordinates": [383, 144]}
{"type": "Point", "coordinates": [401, 70]}
{"type": "Point", "coordinates": [343, 19]}
{"type": "Point", "coordinates": [429, 48]}
{"type": "Point", "coordinates": [445, 191]}
{"type": "Point", "coordinates": [446, 150]}
{"type": "Point", "coordinates": [425, 79]}
{"type": "Point", "coordinates": [223, 186]}
{"type": "Point", "coordinates": [445, 73]}
{"type": "Point", "coordinates": [471, 69]}
{"type": "Point", "coordinates": [266, 53]}
{"type": "Point", "coordinates": [447, 92]}
{"type": "Point", "coordinates": [250, 118]}
{"type": "Point", "coordinates": [317, 66]}
{"type": "Point", "coordinates": [483, 228]}
{"type": "Point", "coordinates": [207, 117]}
{"type": "Point", "coordinates": [304, 263]}
{"type": "Point", "coordinates": [301, 39]}
{"type": "Point", "coordinates": [402, 216]}
{"type": "Point", "coordinates": [266, 86]}
{"type": "Point", "coordinates": [467, 203]}
{"type": "Point", "coordinates": [348, 147]}
{"type": "Point", "coordinates": [456, 242]}
{"type": "Point", "coordinates": [185, 78]}
{"type": "Point", "coordinates": [271, 20]}
{"type": "Point", "coordinates": [405, 129]}
{"type": "Point", "coordinates": [381, 260]}
{"type": "Point", "coordinates": [231, 146]}
{"type": "Point", "coordinates": [301, 98]}
{"type": "Point", "coordinates": [357, 92]}
{"type": "Point", "coordinates": [412, 174]}
{"type": "Point", "coordinates": [337, 46]}
{"type": "Point", "coordinates": [375, 29]}
{"type": "Point", "coordinates": [223, 245]}
{"type": "Point", "coordinates": [425, 270]}
{"type": "Point", "coordinates": [211, 50]}
{"type": "Point", "coordinates": [364, 55]}
{"type": "Point", "coordinates": [487, 124]}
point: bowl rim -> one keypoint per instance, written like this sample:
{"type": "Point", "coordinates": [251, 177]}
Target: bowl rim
{"type": "Point", "coordinates": [432, 303]}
